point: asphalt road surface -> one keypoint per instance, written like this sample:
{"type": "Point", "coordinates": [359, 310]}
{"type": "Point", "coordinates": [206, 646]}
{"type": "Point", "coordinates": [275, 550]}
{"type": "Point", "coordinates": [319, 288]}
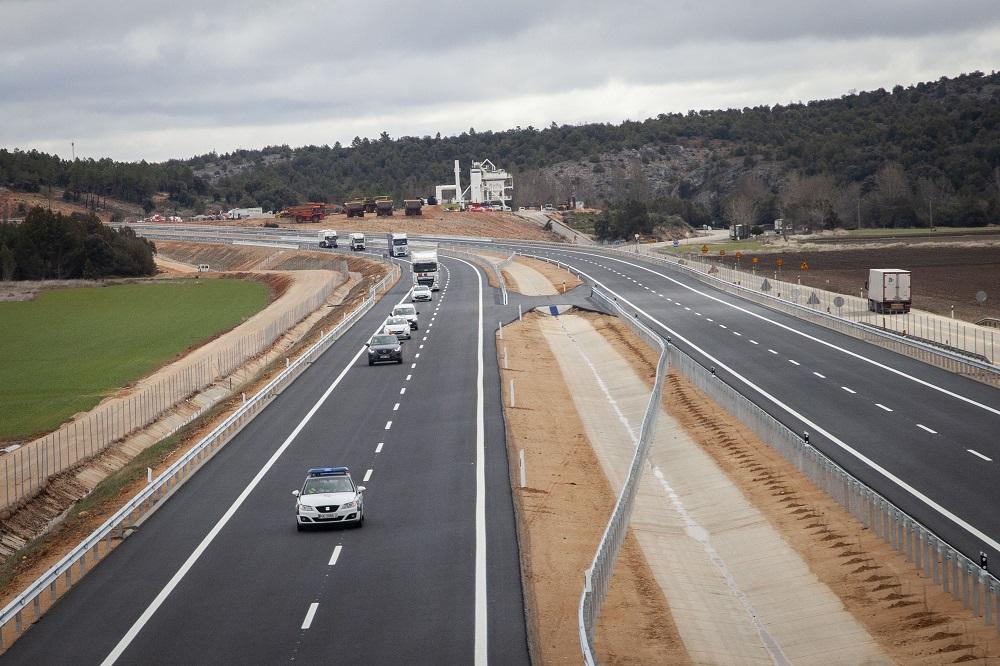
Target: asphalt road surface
{"type": "Point", "coordinates": [219, 574]}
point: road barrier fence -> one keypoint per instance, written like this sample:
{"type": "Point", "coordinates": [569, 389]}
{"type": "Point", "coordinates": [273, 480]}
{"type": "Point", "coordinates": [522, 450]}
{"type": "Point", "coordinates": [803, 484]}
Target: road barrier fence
{"type": "Point", "coordinates": [101, 541]}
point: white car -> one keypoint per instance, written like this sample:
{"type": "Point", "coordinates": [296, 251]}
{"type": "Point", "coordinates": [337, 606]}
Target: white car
{"type": "Point", "coordinates": [407, 312]}
{"type": "Point", "coordinates": [420, 292]}
{"type": "Point", "coordinates": [397, 326]}
{"type": "Point", "coordinates": [329, 496]}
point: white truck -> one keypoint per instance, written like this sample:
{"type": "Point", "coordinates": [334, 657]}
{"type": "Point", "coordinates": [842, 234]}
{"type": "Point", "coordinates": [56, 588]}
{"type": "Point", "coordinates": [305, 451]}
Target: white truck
{"type": "Point", "coordinates": [425, 268]}
{"type": "Point", "coordinates": [397, 244]}
{"type": "Point", "coordinates": [357, 241]}
{"type": "Point", "coordinates": [327, 238]}
{"type": "Point", "coordinates": [888, 290]}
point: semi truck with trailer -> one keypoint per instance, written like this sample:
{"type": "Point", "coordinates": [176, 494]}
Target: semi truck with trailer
{"type": "Point", "coordinates": [888, 290]}
{"type": "Point", "coordinates": [412, 206]}
{"type": "Point", "coordinates": [327, 238]}
{"type": "Point", "coordinates": [357, 241]}
{"type": "Point", "coordinates": [425, 268]}
{"type": "Point", "coordinates": [397, 244]}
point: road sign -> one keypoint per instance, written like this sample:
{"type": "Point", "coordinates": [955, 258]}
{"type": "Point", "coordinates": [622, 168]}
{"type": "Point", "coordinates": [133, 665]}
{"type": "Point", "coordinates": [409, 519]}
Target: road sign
{"type": "Point", "coordinates": [813, 299]}
{"type": "Point", "coordinates": [981, 297]}
{"type": "Point", "coordinates": [765, 286]}
{"type": "Point", "coordinates": [739, 255]}
{"type": "Point", "coordinates": [704, 249]}
{"type": "Point", "coordinates": [804, 266]}
{"type": "Point", "coordinates": [838, 301]}
{"type": "Point", "coordinates": [677, 243]}
{"type": "Point", "coordinates": [722, 253]}
{"type": "Point", "coordinates": [779, 262]}
{"type": "Point", "coordinates": [755, 260]}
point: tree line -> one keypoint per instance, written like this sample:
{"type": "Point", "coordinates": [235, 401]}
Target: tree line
{"type": "Point", "coordinates": [51, 246]}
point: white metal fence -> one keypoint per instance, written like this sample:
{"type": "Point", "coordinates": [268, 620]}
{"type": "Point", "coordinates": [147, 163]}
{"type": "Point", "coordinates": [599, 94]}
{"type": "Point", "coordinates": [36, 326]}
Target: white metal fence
{"type": "Point", "coordinates": [33, 601]}
{"type": "Point", "coordinates": [598, 576]}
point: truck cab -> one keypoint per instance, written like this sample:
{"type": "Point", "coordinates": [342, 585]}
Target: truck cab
{"type": "Point", "coordinates": [357, 241]}
{"type": "Point", "coordinates": [397, 245]}
{"type": "Point", "coordinates": [327, 238]}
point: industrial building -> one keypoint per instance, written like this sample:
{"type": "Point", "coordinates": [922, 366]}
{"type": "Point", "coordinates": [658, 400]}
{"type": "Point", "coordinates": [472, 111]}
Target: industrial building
{"type": "Point", "coordinates": [488, 185]}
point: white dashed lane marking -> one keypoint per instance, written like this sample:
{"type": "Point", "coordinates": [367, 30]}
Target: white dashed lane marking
{"type": "Point", "coordinates": [772, 351]}
{"type": "Point", "coordinates": [388, 425]}
{"type": "Point", "coordinates": [979, 455]}
{"type": "Point", "coordinates": [819, 375]}
{"type": "Point", "coordinates": [310, 614]}
{"type": "Point", "coordinates": [378, 449]}
{"type": "Point", "coordinates": [793, 361]}
{"type": "Point", "coordinates": [408, 377]}
{"type": "Point", "coordinates": [402, 390]}
{"type": "Point", "coordinates": [395, 407]}
{"type": "Point", "coordinates": [754, 342]}
{"type": "Point", "coordinates": [335, 556]}
{"type": "Point", "coordinates": [849, 390]}
{"type": "Point", "coordinates": [368, 475]}
{"type": "Point", "coordinates": [883, 407]}
{"type": "Point", "coordinates": [923, 427]}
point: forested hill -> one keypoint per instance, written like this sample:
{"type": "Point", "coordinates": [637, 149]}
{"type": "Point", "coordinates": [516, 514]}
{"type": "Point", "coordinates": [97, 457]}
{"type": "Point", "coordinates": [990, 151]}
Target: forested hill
{"type": "Point", "coordinates": [935, 141]}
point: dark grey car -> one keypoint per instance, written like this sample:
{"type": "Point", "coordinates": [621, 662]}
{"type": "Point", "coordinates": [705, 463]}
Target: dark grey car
{"type": "Point", "coordinates": [384, 349]}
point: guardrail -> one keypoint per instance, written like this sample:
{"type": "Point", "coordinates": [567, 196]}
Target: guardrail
{"type": "Point", "coordinates": [598, 577]}
{"type": "Point", "coordinates": [967, 581]}
{"type": "Point", "coordinates": [119, 526]}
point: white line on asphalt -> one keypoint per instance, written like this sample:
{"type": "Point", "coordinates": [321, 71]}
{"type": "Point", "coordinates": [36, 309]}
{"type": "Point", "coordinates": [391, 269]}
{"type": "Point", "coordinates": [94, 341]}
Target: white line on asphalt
{"type": "Point", "coordinates": [378, 449]}
{"type": "Point", "coordinates": [820, 375]}
{"type": "Point", "coordinates": [923, 427]}
{"type": "Point", "coordinates": [754, 342]}
{"type": "Point", "coordinates": [737, 333]}
{"type": "Point", "coordinates": [310, 614]}
{"type": "Point", "coordinates": [335, 556]}
{"type": "Point", "coordinates": [849, 390]}
{"type": "Point", "coordinates": [417, 355]}
{"type": "Point", "coordinates": [425, 338]}
{"type": "Point", "coordinates": [388, 424]}
{"type": "Point", "coordinates": [402, 390]}
{"type": "Point", "coordinates": [408, 377]}
{"type": "Point", "coordinates": [481, 600]}
{"type": "Point", "coordinates": [413, 366]}
{"type": "Point", "coordinates": [420, 347]}
{"type": "Point", "coordinates": [687, 308]}
{"type": "Point", "coordinates": [698, 313]}
{"type": "Point", "coordinates": [368, 475]}
{"type": "Point", "coordinates": [709, 319]}
{"type": "Point", "coordinates": [883, 407]}
{"type": "Point", "coordinates": [980, 455]}
{"type": "Point", "coordinates": [772, 351]}
{"type": "Point", "coordinates": [722, 326]}
{"type": "Point", "coordinates": [395, 407]}
{"type": "Point", "coordinates": [793, 361]}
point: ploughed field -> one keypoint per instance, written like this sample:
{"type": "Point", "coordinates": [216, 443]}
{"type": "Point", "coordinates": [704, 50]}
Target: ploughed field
{"type": "Point", "coordinates": [942, 276]}
{"type": "Point", "coordinates": [67, 349]}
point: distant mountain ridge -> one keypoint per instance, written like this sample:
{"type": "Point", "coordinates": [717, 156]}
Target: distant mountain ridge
{"type": "Point", "coordinates": [945, 133]}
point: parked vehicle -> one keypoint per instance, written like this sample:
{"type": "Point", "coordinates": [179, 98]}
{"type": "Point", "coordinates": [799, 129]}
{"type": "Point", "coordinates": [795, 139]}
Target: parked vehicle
{"type": "Point", "coordinates": [412, 206]}
{"type": "Point", "coordinates": [383, 207]}
{"type": "Point", "coordinates": [355, 208]}
{"type": "Point", "coordinates": [327, 238]}
{"type": "Point", "coordinates": [310, 212]}
{"type": "Point", "coordinates": [888, 290]}
{"type": "Point", "coordinates": [357, 241]}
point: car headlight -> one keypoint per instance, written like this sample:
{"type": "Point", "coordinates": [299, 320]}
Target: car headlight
{"type": "Point", "coordinates": [398, 349]}
{"type": "Point", "coordinates": [349, 505]}
{"type": "Point", "coordinates": [372, 352]}
{"type": "Point", "coordinates": [305, 508]}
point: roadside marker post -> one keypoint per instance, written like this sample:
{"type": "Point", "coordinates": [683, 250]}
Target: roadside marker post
{"type": "Point", "coordinates": [524, 480]}
{"type": "Point", "coordinates": [512, 404]}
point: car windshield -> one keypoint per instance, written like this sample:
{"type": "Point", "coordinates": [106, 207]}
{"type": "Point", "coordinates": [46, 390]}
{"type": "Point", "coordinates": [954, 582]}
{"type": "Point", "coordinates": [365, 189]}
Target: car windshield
{"type": "Point", "coordinates": [421, 288]}
{"type": "Point", "coordinates": [398, 321]}
{"type": "Point", "coordinates": [385, 340]}
{"type": "Point", "coordinates": [404, 310]}
{"type": "Point", "coordinates": [328, 484]}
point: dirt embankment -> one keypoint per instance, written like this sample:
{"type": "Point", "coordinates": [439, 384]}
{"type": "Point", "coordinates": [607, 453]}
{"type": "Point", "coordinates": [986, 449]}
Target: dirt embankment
{"type": "Point", "coordinates": [28, 200]}
{"type": "Point", "coordinates": [915, 621]}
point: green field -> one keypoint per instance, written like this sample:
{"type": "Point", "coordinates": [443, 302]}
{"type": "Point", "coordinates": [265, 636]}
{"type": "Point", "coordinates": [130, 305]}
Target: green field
{"type": "Point", "coordinates": [64, 351]}
{"type": "Point", "coordinates": [918, 231]}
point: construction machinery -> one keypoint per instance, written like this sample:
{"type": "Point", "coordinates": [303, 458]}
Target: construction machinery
{"type": "Point", "coordinates": [383, 207]}
{"type": "Point", "coordinates": [355, 208]}
{"type": "Point", "coordinates": [310, 212]}
{"type": "Point", "coordinates": [412, 206]}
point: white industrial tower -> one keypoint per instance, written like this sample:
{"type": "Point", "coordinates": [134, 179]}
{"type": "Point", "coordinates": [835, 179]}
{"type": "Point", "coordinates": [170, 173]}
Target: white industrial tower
{"type": "Point", "coordinates": [487, 185]}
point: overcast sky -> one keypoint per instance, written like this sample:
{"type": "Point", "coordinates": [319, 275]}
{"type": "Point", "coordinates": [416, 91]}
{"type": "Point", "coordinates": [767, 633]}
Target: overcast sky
{"type": "Point", "coordinates": [154, 80]}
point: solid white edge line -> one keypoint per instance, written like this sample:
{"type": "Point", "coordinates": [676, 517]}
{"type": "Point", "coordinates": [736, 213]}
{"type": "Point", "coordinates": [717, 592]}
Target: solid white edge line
{"type": "Point", "coordinates": [310, 614]}
{"type": "Point", "coordinates": [481, 653]}
{"type": "Point", "coordinates": [335, 556]}
{"type": "Point", "coordinates": [968, 527]}
{"type": "Point", "coordinates": [979, 455]}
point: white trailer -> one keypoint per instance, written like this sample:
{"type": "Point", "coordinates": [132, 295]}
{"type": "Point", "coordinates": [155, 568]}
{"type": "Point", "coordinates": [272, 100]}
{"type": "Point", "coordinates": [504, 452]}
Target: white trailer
{"type": "Point", "coordinates": [357, 241]}
{"type": "Point", "coordinates": [888, 290]}
{"type": "Point", "coordinates": [327, 238]}
{"type": "Point", "coordinates": [425, 268]}
{"type": "Point", "coordinates": [397, 244]}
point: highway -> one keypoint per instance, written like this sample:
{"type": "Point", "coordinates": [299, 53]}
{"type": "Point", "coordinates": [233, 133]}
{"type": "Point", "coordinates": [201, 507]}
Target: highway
{"type": "Point", "coordinates": [921, 436]}
{"type": "Point", "coordinates": [219, 574]}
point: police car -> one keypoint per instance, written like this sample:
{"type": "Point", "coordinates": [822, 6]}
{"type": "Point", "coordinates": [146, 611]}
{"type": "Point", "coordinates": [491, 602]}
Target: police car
{"type": "Point", "coordinates": [329, 496]}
